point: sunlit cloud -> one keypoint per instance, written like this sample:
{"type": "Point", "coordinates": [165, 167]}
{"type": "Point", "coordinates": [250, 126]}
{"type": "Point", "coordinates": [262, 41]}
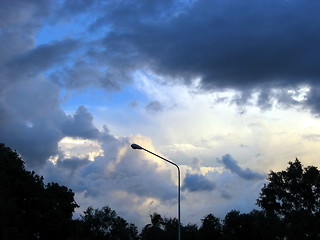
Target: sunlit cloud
{"type": "Point", "coordinates": [76, 147]}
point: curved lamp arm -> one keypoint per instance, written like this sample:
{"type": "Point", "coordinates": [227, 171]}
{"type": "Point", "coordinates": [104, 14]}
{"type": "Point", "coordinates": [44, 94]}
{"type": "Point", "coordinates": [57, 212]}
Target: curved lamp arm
{"type": "Point", "coordinates": [136, 146]}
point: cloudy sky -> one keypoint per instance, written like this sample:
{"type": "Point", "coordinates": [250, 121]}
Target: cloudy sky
{"type": "Point", "coordinates": [227, 89]}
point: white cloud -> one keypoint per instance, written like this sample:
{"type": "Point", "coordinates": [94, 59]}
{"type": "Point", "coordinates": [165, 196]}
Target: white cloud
{"type": "Point", "coordinates": [73, 147]}
{"type": "Point", "coordinates": [198, 126]}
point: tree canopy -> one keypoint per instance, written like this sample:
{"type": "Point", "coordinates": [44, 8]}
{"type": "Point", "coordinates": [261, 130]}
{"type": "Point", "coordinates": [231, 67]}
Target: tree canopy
{"type": "Point", "coordinates": [30, 209]}
{"type": "Point", "coordinates": [103, 224]}
{"type": "Point", "coordinates": [293, 196]}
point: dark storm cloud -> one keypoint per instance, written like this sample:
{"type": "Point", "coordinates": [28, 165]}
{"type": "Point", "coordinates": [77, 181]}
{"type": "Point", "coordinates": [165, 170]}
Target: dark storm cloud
{"type": "Point", "coordinates": [32, 119]}
{"type": "Point", "coordinates": [40, 58]}
{"type": "Point", "coordinates": [81, 74]}
{"type": "Point", "coordinates": [70, 8]}
{"type": "Point", "coordinates": [313, 99]}
{"type": "Point", "coordinates": [197, 182]}
{"type": "Point", "coordinates": [33, 123]}
{"type": "Point", "coordinates": [15, 12]}
{"type": "Point", "coordinates": [19, 22]}
{"type": "Point", "coordinates": [251, 46]}
{"type": "Point", "coordinates": [37, 140]}
{"type": "Point", "coordinates": [233, 166]}
{"type": "Point", "coordinates": [229, 43]}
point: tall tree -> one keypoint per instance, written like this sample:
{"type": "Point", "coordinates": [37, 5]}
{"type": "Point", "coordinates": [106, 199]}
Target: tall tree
{"type": "Point", "coordinates": [58, 207]}
{"type": "Point", "coordinates": [155, 230]}
{"type": "Point", "coordinates": [171, 228]}
{"type": "Point", "coordinates": [21, 192]}
{"type": "Point", "coordinates": [294, 196]}
{"type": "Point", "coordinates": [28, 208]}
{"type": "Point", "coordinates": [210, 228]}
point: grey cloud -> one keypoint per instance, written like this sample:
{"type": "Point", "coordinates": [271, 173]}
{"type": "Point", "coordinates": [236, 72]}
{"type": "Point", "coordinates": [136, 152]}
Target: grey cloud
{"type": "Point", "coordinates": [196, 164]}
{"type": "Point", "coordinates": [119, 169]}
{"type": "Point", "coordinates": [32, 119]}
{"type": "Point", "coordinates": [92, 65]}
{"type": "Point", "coordinates": [255, 47]}
{"type": "Point", "coordinates": [131, 172]}
{"type": "Point", "coordinates": [40, 58]}
{"type": "Point", "coordinates": [80, 125]}
{"type": "Point", "coordinates": [141, 186]}
{"type": "Point", "coordinates": [21, 59]}
{"type": "Point", "coordinates": [72, 163]}
{"type": "Point", "coordinates": [252, 46]}
{"type": "Point", "coordinates": [312, 137]}
{"type": "Point", "coordinates": [70, 8]}
{"type": "Point", "coordinates": [230, 44]}
{"type": "Point", "coordinates": [154, 107]}
{"type": "Point", "coordinates": [140, 175]}
{"type": "Point", "coordinates": [313, 100]}
{"type": "Point", "coordinates": [133, 104]}
{"type": "Point", "coordinates": [243, 145]}
{"type": "Point", "coordinates": [19, 22]}
{"type": "Point", "coordinates": [233, 166]}
{"type": "Point", "coordinates": [226, 195]}
{"type": "Point", "coordinates": [33, 123]}
{"type": "Point", "coordinates": [35, 144]}
{"type": "Point", "coordinates": [197, 182]}
{"type": "Point", "coordinates": [80, 74]}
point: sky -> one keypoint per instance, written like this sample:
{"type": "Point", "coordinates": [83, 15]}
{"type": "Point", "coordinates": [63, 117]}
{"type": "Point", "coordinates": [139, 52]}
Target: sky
{"type": "Point", "coordinates": [227, 89]}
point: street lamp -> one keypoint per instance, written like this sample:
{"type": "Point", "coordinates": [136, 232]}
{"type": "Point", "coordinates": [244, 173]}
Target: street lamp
{"type": "Point", "coordinates": [136, 146]}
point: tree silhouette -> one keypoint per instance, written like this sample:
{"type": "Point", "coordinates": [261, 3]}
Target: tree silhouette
{"type": "Point", "coordinates": [171, 228]}
{"type": "Point", "coordinates": [294, 197]}
{"type": "Point", "coordinates": [210, 228]}
{"type": "Point", "coordinates": [155, 230]}
{"type": "Point", "coordinates": [58, 206]}
{"type": "Point", "coordinates": [251, 226]}
{"type": "Point", "coordinates": [104, 224]}
{"type": "Point", "coordinates": [28, 208]}
{"type": "Point", "coordinates": [165, 228]}
{"type": "Point", "coordinates": [189, 232]}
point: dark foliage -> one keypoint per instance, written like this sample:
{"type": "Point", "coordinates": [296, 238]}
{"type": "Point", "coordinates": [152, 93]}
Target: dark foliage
{"type": "Point", "coordinates": [293, 196]}
{"type": "Point", "coordinates": [189, 232]}
{"type": "Point", "coordinates": [253, 225]}
{"type": "Point", "coordinates": [162, 228]}
{"type": "Point", "coordinates": [210, 228]}
{"type": "Point", "coordinates": [103, 224]}
{"type": "Point", "coordinates": [28, 208]}
{"type": "Point", "coordinates": [155, 230]}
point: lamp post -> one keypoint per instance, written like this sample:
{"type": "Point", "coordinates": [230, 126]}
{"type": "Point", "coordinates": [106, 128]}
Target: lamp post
{"type": "Point", "coordinates": [136, 146]}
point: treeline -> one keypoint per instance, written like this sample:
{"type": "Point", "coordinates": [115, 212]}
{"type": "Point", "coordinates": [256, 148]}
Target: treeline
{"type": "Point", "coordinates": [30, 209]}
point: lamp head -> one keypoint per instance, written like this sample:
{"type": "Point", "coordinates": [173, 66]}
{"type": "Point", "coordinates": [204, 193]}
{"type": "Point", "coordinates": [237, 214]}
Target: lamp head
{"type": "Point", "coordinates": [136, 146]}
